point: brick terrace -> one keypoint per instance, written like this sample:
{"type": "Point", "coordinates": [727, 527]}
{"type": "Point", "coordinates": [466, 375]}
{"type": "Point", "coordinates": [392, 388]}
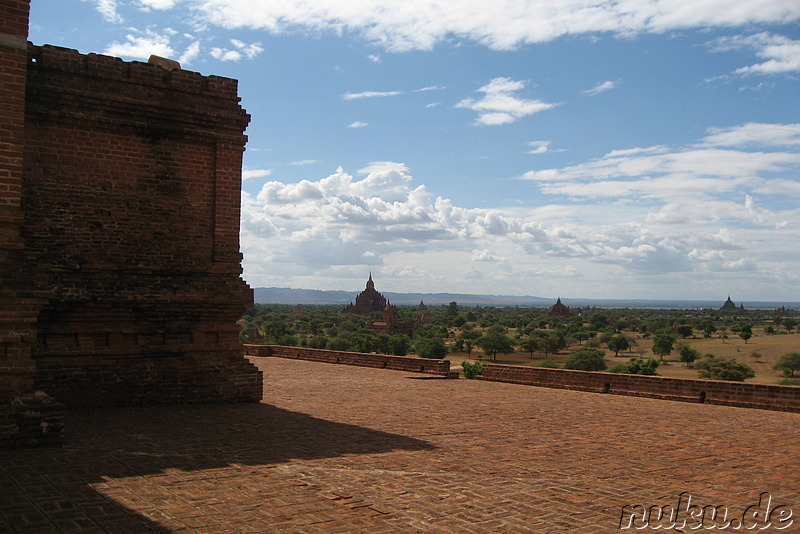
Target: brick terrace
{"type": "Point", "coordinates": [350, 449]}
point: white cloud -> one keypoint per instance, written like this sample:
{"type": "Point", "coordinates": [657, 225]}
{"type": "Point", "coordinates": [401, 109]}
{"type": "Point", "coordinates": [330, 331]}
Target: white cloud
{"type": "Point", "coordinates": [601, 88]}
{"type": "Point", "coordinates": [370, 94]}
{"type": "Point", "coordinates": [500, 105]}
{"type": "Point", "coordinates": [401, 25]}
{"type": "Point", "coordinates": [541, 147]}
{"type": "Point", "coordinates": [240, 50]}
{"type": "Point", "coordinates": [375, 58]}
{"type": "Point", "coordinates": [248, 174]}
{"type": "Point", "coordinates": [303, 162]}
{"type": "Point", "coordinates": [358, 124]}
{"type": "Point", "coordinates": [782, 54]}
{"type": "Point", "coordinates": [753, 133]}
{"type": "Point", "coordinates": [158, 4]}
{"type": "Point", "coordinates": [190, 54]}
{"type": "Point", "coordinates": [108, 9]}
{"type": "Point", "coordinates": [141, 45]}
{"type": "Point", "coordinates": [678, 214]}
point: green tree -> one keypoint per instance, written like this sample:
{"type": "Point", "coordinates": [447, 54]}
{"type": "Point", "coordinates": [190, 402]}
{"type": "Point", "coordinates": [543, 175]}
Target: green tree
{"type": "Point", "coordinates": [530, 345]}
{"type": "Point", "coordinates": [685, 331]}
{"type": "Point", "coordinates": [789, 363]}
{"type": "Point", "coordinates": [746, 332]}
{"type": "Point", "coordinates": [495, 342]}
{"type": "Point", "coordinates": [586, 359]}
{"type": "Point", "coordinates": [618, 343]}
{"type": "Point", "coordinates": [469, 337]}
{"type": "Point", "coordinates": [728, 370]}
{"type": "Point", "coordinates": [663, 345]}
{"type": "Point", "coordinates": [431, 347]}
{"type": "Point", "coordinates": [688, 354]}
{"type": "Point", "coordinates": [399, 345]}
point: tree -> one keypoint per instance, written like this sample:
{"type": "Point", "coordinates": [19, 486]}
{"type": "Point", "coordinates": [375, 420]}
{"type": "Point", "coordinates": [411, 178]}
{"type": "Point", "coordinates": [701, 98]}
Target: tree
{"type": "Point", "coordinates": [530, 345]}
{"type": "Point", "coordinates": [688, 354]}
{"type": "Point", "coordinates": [469, 337]}
{"type": "Point", "coordinates": [789, 363]}
{"type": "Point", "coordinates": [728, 370]}
{"type": "Point", "coordinates": [618, 343]}
{"type": "Point", "coordinates": [495, 342]}
{"type": "Point", "coordinates": [399, 345]}
{"type": "Point", "coordinates": [685, 331]}
{"type": "Point", "coordinates": [551, 344]}
{"type": "Point", "coordinates": [586, 359]}
{"type": "Point", "coordinates": [663, 345]}
{"type": "Point", "coordinates": [431, 347]}
{"type": "Point", "coordinates": [746, 332]}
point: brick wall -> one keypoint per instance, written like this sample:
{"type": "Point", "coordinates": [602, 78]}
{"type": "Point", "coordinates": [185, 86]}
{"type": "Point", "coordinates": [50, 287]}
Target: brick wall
{"type": "Point", "coordinates": [119, 235]}
{"type": "Point", "coordinates": [131, 197]}
{"type": "Point", "coordinates": [26, 418]}
{"type": "Point", "coordinates": [764, 396]}
{"type": "Point", "coordinates": [381, 361]}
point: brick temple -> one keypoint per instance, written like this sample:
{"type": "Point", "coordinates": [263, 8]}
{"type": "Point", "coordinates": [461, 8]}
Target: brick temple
{"type": "Point", "coordinates": [119, 235]}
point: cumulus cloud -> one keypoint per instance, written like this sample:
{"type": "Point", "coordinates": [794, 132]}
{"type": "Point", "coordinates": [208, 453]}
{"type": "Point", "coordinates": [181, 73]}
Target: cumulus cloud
{"type": "Point", "coordinates": [400, 25]}
{"type": "Point", "coordinates": [500, 105]}
{"type": "Point", "coordinates": [677, 212]}
{"type": "Point", "coordinates": [143, 44]}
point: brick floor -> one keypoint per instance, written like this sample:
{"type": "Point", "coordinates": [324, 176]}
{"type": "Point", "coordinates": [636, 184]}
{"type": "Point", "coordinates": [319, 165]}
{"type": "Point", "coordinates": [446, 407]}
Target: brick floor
{"type": "Point", "coordinates": [351, 449]}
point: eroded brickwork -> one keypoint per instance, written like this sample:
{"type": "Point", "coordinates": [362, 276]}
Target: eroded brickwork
{"type": "Point", "coordinates": [119, 228]}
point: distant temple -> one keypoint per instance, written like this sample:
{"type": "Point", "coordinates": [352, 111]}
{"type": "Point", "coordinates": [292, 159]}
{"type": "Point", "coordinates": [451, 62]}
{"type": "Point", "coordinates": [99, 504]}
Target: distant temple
{"type": "Point", "coordinates": [560, 310]}
{"type": "Point", "coordinates": [368, 301]}
{"type": "Point", "coordinates": [731, 306]}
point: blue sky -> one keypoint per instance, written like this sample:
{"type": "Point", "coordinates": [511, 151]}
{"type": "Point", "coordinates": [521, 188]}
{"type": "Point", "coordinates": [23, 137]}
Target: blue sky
{"type": "Point", "coordinates": [629, 149]}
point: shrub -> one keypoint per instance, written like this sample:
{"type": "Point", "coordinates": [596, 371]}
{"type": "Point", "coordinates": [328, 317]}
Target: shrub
{"type": "Point", "coordinates": [636, 367]}
{"type": "Point", "coordinates": [548, 363]}
{"type": "Point", "coordinates": [728, 370]}
{"type": "Point", "coordinates": [789, 381]}
{"type": "Point", "coordinates": [643, 367]}
{"type": "Point", "coordinates": [620, 368]}
{"type": "Point", "coordinates": [472, 369]}
{"type": "Point", "coordinates": [586, 359]}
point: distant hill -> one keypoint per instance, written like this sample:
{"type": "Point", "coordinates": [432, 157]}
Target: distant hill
{"type": "Point", "coordinates": [285, 295]}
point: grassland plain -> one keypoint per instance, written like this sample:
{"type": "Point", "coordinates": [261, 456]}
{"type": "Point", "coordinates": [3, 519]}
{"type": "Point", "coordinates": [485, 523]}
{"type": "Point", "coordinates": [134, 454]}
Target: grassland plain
{"type": "Point", "coordinates": [768, 348]}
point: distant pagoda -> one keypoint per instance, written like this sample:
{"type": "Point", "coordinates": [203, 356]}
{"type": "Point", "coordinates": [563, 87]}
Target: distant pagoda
{"type": "Point", "coordinates": [729, 305]}
{"type": "Point", "coordinates": [560, 310]}
{"type": "Point", "coordinates": [368, 301]}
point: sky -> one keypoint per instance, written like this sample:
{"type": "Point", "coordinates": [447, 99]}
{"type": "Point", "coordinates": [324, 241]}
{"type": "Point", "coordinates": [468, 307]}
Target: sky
{"type": "Point", "coordinates": [575, 148]}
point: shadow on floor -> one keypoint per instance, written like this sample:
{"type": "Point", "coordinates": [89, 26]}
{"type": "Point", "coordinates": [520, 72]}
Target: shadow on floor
{"type": "Point", "coordinates": [48, 490]}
